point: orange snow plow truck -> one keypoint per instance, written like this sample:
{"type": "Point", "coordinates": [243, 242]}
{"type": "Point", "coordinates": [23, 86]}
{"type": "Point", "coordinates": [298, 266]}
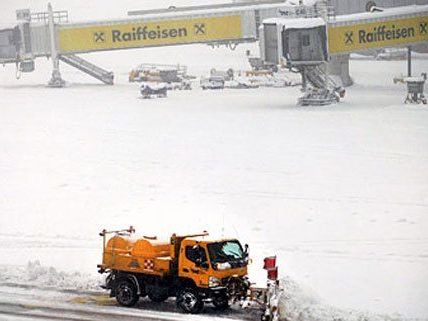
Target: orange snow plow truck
{"type": "Point", "coordinates": [191, 268]}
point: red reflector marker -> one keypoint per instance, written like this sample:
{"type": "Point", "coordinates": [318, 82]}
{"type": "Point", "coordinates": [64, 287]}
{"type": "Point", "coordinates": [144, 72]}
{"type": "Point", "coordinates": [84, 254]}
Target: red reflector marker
{"type": "Point", "coordinates": [273, 274]}
{"type": "Point", "coordinates": [269, 263]}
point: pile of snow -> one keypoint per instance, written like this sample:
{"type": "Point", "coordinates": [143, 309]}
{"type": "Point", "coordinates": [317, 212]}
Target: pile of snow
{"type": "Point", "coordinates": [299, 303]}
{"type": "Point", "coordinates": [35, 274]}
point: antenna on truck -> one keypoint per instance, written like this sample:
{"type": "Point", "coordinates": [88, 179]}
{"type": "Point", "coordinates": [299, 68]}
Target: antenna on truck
{"type": "Point", "coordinates": [104, 232]}
{"type": "Point", "coordinates": [129, 230]}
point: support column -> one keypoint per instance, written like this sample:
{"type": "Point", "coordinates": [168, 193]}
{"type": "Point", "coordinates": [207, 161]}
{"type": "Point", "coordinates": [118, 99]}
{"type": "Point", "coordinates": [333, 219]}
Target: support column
{"type": "Point", "coordinates": [56, 80]}
{"type": "Point", "coordinates": [338, 67]}
{"type": "Point", "coordinates": [409, 61]}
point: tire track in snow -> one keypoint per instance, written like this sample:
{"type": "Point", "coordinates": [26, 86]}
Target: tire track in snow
{"type": "Point", "coordinates": [36, 304]}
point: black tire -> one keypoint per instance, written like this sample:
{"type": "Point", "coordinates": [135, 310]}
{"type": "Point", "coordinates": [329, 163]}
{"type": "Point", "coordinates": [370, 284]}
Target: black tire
{"type": "Point", "coordinates": [126, 293]}
{"type": "Point", "coordinates": [221, 302]}
{"type": "Point", "coordinates": [370, 5]}
{"type": "Point", "coordinates": [265, 317]}
{"type": "Point", "coordinates": [189, 301]}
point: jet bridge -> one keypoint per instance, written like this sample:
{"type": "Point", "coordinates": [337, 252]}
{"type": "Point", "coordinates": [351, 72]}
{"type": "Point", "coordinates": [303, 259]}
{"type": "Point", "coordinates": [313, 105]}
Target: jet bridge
{"type": "Point", "coordinates": [395, 27]}
{"type": "Point", "coordinates": [50, 35]}
{"type": "Point", "coordinates": [398, 27]}
{"type": "Point", "coordinates": [302, 43]}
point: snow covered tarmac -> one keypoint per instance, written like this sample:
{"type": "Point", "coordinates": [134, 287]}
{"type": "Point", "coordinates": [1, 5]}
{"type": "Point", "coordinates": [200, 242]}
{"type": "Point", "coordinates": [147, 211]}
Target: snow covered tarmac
{"type": "Point", "coordinates": [339, 193]}
{"type": "Point", "coordinates": [44, 304]}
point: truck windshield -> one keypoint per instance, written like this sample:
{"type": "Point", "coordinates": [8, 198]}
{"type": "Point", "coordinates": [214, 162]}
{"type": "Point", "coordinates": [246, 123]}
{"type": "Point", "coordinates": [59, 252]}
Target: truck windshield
{"type": "Point", "coordinates": [227, 251]}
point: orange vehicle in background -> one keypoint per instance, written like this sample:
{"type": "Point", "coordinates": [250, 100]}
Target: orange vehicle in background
{"type": "Point", "coordinates": [191, 268]}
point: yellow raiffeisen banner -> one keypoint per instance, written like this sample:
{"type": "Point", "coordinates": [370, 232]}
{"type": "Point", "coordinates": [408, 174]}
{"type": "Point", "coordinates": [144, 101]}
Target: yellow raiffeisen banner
{"type": "Point", "coordinates": [142, 34]}
{"type": "Point", "coordinates": [358, 37]}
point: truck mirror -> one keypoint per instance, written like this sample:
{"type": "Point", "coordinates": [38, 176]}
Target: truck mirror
{"type": "Point", "coordinates": [246, 250]}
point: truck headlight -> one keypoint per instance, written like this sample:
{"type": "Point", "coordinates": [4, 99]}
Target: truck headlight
{"type": "Point", "coordinates": [213, 282]}
{"type": "Point", "coordinates": [223, 266]}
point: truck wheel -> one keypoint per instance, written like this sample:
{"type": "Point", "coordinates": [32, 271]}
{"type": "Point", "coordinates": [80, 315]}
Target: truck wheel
{"type": "Point", "coordinates": [189, 301]}
{"type": "Point", "coordinates": [221, 302]}
{"type": "Point", "coordinates": [126, 293]}
{"type": "Point", "coordinates": [265, 317]}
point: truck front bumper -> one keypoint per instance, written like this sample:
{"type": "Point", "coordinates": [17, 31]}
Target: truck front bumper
{"type": "Point", "coordinates": [209, 293]}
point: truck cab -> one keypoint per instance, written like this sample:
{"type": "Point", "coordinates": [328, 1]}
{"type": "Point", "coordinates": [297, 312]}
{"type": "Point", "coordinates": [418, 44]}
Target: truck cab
{"type": "Point", "coordinates": [215, 269]}
{"type": "Point", "coordinates": [209, 262]}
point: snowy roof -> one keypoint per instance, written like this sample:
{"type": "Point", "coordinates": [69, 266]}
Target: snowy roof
{"type": "Point", "coordinates": [297, 23]}
{"type": "Point", "coordinates": [153, 85]}
{"type": "Point", "coordinates": [245, 7]}
{"type": "Point", "coordinates": [397, 11]}
{"type": "Point", "coordinates": [190, 13]}
{"type": "Point", "coordinates": [414, 79]}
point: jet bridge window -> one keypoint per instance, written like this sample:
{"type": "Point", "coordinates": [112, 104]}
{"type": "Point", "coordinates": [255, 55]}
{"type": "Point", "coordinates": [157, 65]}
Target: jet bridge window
{"type": "Point", "coordinates": [306, 40]}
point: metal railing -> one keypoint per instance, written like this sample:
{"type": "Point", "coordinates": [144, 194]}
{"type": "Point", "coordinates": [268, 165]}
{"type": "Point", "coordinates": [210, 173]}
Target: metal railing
{"type": "Point", "coordinates": [89, 68]}
{"type": "Point", "coordinates": [59, 17]}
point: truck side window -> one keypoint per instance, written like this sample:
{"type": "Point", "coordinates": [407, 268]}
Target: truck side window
{"type": "Point", "coordinates": [196, 255]}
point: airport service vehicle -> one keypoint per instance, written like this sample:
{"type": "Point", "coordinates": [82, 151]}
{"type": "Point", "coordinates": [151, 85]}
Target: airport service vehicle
{"type": "Point", "coordinates": [213, 82]}
{"type": "Point", "coordinates": [193, 268]}
{"type": "Point", "coordinates": [415, 88]}
{"type": "Point", "coordinates": [158, 72]}
{"type": "Point", "coordinates": [152, 90]}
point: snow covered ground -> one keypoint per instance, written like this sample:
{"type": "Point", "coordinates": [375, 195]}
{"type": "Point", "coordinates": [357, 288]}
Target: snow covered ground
{"type": "Point", "coordinates": [339, 193]}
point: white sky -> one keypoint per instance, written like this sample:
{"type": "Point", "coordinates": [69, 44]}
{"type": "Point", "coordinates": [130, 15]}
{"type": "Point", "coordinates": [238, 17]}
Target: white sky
{"type": "Point", "coordinates": [90, 9]}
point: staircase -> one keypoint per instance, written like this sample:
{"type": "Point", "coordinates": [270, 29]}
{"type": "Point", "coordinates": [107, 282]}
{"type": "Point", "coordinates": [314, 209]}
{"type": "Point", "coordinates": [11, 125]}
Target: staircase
{"type": "Point", "coordinates": [89, 68]}
{"type": "Point", "coordinates": [319, 79]}
{"type": "Point", "coordinates": [323, 89]}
